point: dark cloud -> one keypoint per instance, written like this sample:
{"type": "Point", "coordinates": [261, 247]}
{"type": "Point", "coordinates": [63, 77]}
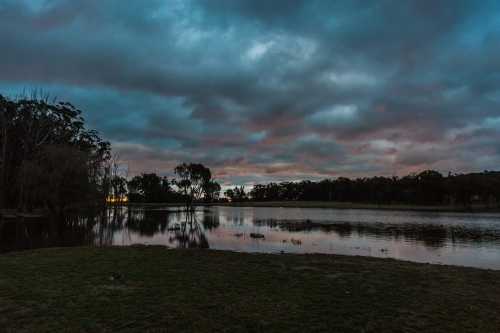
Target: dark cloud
{"type": "Point", "coordinates": [270, 90]}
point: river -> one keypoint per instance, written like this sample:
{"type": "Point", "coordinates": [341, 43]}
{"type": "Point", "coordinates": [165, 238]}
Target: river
{"type": "Point", "coordinates": [467, 239]}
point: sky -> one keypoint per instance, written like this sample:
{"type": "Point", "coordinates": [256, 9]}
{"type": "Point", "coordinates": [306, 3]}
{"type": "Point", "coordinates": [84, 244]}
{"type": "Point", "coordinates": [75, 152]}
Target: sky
{"type": "Point", "coordinates": [263, 91]}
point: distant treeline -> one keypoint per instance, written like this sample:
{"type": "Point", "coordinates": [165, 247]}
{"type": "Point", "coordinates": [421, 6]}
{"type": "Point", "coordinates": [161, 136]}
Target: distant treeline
{"type": "Point", "coordinates": [426, 188]}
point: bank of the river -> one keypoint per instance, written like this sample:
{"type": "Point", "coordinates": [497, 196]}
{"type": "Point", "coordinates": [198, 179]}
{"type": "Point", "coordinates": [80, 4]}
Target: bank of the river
{"type": "Point", "coordinates": [13, 213]}
{"type": "Point", "coordinates": [149, 288]}
{"type": "Point", "coordinates": [341, 205]}
{"type": "Point", "coordinates": [10, 214]}
{"type": "Point", "coordinates": [356, 205]}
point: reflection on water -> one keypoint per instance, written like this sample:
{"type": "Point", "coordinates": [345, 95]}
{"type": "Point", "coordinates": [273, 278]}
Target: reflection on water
{"type": "Point", "coordinates": [450, 238]}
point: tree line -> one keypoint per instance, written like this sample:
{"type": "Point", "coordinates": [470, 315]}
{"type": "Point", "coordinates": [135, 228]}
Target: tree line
{"type": "Point", "coordinates": [195, 184]}
{"type": "Point", "coordinates": [49, 159]}
{"type": "Point", "coordinates": [429, 187]}
{"type": "Point", "coordinates": [426, 188]}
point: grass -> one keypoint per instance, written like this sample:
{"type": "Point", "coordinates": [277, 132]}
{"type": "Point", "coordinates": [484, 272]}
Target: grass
{"type": "Point", "coordinates": [357, 205]}
{"type": "Point", "coordinates": [13, 213]}
{"type": "Point", "coordinates": [476, 207]}
{"type": "Point", "coordinates": [152, 289]}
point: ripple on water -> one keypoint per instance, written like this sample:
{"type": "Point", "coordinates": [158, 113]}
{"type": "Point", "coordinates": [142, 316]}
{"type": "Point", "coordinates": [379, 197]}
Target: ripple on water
{"type": "Point", "coordinates": [469, 239]}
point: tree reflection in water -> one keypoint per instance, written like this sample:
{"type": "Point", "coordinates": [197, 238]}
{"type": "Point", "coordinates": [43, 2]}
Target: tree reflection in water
{"type": "Point", "coordinates": [432, 236]}
{"type": "Point", "coordinates": [190, 234]}
{"type": "Point", "coordinates": [148, 222]}
{"type": "Point", "coordinates": [187, 230]}
{"type": "Point", "coordinates": [32, 233]}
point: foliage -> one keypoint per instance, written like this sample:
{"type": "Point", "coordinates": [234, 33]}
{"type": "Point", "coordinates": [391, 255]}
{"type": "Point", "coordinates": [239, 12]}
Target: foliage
{"type": "Point", "coordinates": [47, 156]}
{"type": "Point", "coordinates": [195, 181]}
{"type": "Point", "coordinates": [237, 194]}
{"type": "Point", "coordinates": [150, 188]}
{"type": "Point", "coordinates": [426, 188]}
{"type": "Point", "coordinates": [212, 192]}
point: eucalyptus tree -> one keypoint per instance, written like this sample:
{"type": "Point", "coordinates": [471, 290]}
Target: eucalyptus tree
{"type": "Point", "coordinates": [229, 193]}
{"type": "Point", "coordinates": [240, 194]}
{"type": "Point", "coordinates": [37, 135]}
{"type": "Point", "coordinates": [65, 175]}
{"type": "Point", "coordinates": [212, 191]}
{"type": "Point", "coordinates": [258, 192]}
{"type": "Point", "coordinates": [150, 188]}
{"type": "Point", "coordinates": [41, 121]}
{"type": "Point", "coordinates": [237, 194]}
{"type": "Point", "coordinates": [6, 120]}
{"type": "Point", "coordinates": [193, 182]}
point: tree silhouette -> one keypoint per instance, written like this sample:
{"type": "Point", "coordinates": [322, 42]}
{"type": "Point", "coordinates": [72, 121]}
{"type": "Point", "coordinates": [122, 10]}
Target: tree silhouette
{"type": "Point", "coordinates": [194, 180]}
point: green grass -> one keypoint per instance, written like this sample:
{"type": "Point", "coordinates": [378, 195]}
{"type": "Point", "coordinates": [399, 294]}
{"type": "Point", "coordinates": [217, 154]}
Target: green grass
{"type": "Point", "coordinates": [70, 290]}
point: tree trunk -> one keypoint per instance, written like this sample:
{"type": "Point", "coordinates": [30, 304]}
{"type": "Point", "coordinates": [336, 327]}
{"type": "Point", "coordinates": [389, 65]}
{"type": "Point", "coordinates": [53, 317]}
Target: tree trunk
{"type": "Point", "coordinates": [61, 208]}
{"type": "Point", "coordinates": [21, 207]}
{"type": "Point", "coordinates": [3, 171]}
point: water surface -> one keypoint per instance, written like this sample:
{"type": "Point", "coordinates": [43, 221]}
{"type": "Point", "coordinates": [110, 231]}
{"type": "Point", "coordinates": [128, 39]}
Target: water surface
{"type": "Point", "coordinates": [468, 239]}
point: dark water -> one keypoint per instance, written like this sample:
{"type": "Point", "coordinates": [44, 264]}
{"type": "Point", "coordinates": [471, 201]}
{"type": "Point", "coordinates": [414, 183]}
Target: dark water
{"type": "Point", "coordinates": [468, 239]}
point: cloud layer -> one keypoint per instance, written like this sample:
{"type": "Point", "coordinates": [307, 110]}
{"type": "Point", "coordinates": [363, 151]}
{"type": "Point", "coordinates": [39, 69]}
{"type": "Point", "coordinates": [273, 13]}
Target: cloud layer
{"type": "Point", "coordinates": [270, 90]}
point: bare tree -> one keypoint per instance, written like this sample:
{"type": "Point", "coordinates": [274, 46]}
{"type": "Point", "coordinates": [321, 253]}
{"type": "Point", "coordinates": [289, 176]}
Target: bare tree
{"type": "Point", "coordinates": [117, 181]}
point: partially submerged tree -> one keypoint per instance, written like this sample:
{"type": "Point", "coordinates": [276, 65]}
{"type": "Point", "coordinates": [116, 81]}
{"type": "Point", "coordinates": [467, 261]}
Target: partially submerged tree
{"type": "Point", "coordinates": [194, 180]}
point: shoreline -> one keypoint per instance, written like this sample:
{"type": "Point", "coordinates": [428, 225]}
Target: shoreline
{"type": "Point", "coordinates": [10, 214]}
{"type": "Point", "coordinates": [476, 208]}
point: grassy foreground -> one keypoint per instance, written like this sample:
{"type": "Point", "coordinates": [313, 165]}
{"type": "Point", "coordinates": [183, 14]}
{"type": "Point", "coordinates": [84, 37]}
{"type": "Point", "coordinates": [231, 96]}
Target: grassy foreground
{"type": "Point", "coordinates": [154, 289]}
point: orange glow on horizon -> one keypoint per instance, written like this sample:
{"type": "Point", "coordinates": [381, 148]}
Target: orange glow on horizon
{"type": "Point", "coordinates": [111, 199]}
